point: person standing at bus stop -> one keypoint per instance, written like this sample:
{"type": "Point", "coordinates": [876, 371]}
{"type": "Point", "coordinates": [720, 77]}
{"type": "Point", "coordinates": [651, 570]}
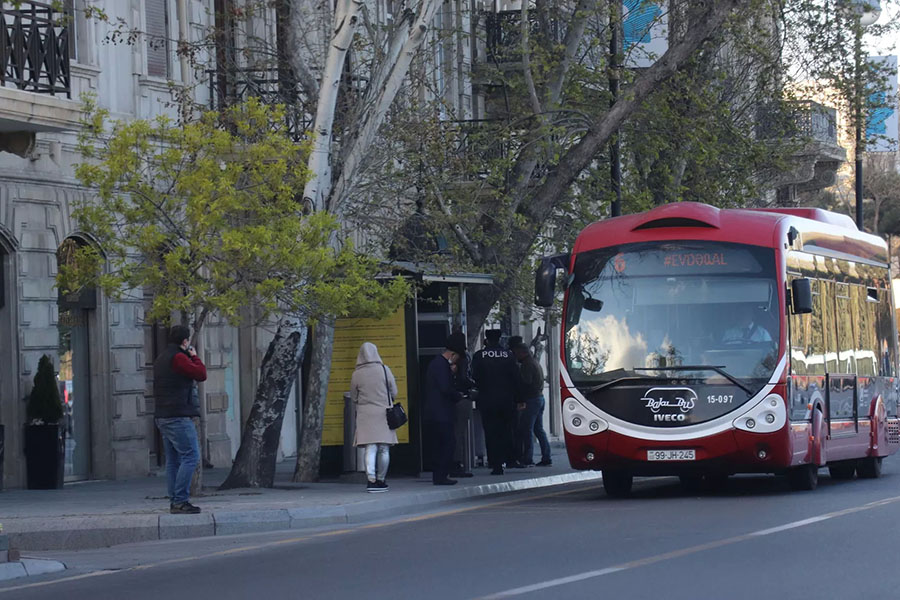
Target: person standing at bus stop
{"type": "Point", "coordinates": [373, 389]}
{"type": "Point", "coordinates": [531, 414]}
{"type": "Point", "coordinates": [439, 410]}
{"type": "Point", "coordinates": [497, 376]}
{"type": "Point", "coordinates": [174, 372]}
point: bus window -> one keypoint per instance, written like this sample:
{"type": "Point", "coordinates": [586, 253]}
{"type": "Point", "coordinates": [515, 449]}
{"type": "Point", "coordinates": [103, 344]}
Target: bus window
{"type": "Point", "coordinates": [846, 340]}
{"type": "Point", "coordinates": [801, 342]}
{"type": "Point", "coordinates": [816, 355]}
{"type": "Point", "coordinates": [884, 326]}
{"type": "Point", "coordinates": [829, 327]}
{"type": "Point", "coordinates": [866, 345]}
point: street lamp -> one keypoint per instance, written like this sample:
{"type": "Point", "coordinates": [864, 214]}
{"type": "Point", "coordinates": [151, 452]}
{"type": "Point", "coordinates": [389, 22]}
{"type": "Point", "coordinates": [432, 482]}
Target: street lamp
{"type": "Point", "coordinates": [866, 12]}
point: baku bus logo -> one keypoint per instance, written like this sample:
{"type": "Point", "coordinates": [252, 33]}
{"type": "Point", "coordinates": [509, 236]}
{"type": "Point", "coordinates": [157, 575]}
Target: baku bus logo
{"type": "Point", "coordinates": [670, 404]}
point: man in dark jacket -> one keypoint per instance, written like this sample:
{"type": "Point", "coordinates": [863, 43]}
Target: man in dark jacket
{"type": "Point", "coordinates": [439, 413]}
{"type": "Point", "coordinates": [174, 372]}
{"type": "Point", "coordinates": [497, 375]}
{"type": "Point", "coordinates": [531, 408]}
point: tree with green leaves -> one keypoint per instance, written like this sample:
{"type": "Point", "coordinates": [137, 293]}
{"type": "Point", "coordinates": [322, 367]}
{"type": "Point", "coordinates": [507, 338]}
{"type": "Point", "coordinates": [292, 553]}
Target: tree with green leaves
{"type": "Point", "coordinates": [205, 216]}
{"type": "Point", "coordinates": [714, 119]}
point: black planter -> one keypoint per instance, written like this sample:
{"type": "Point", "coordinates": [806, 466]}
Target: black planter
{"type": "Point", "coordinates": [45, 455]}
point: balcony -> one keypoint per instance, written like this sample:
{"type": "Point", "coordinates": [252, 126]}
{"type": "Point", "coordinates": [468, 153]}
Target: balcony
{"type": "Point", "coordinates": [503, 34]}
{"type": "Point", "coordinates": [227, 86]}
{"type": "Point", "coordinates": [814, 165]}
{"type": "Point", "coordinates": [804, 119]}
{"type": "Point", "coordinates": [35, 86]}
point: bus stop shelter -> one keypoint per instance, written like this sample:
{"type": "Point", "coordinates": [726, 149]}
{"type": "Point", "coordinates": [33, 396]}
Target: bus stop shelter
{"type": "Point", "coordinates": [407, 341]}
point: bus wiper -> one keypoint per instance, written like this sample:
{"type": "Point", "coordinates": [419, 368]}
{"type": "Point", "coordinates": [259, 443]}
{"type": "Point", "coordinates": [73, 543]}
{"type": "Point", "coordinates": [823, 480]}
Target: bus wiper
{"type": "Point", "coordinates": [720, 369]}
{"type": "Point", "coordinates": [619, 380]}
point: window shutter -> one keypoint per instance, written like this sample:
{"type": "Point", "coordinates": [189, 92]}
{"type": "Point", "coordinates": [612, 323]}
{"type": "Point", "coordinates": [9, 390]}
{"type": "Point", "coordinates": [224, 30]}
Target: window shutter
{"type": "Point", "coordinates": [157, 18]}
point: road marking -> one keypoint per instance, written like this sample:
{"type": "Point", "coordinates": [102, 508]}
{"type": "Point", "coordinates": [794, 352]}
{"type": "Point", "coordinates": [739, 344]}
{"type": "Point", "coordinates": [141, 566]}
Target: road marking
{"type": "Point", "coordinates": [552, 583]}
{"type": "Point", "coordinates": [295, 540]}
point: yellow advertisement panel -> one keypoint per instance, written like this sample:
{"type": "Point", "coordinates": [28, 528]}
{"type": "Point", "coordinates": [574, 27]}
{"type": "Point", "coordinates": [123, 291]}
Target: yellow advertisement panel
{"type": "Point", "coordinates": [389, 335]}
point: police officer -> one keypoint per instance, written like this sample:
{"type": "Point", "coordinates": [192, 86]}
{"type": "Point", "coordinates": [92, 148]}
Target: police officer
{"type": "Point", "coordinates": [496, 373]}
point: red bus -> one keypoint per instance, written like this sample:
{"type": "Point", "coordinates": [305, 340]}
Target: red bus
{"type": "Point", "coordinates": [703, 342]}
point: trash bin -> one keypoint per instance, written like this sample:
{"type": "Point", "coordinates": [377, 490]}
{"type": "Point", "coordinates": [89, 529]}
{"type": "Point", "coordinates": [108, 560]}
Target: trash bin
{"type": "Point", "coordinates": [354, 458]}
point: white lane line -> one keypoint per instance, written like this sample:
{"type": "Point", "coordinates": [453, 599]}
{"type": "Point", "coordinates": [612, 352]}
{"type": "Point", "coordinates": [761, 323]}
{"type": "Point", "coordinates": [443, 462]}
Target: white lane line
{"type": "Point", "coordinates": [552, 583]}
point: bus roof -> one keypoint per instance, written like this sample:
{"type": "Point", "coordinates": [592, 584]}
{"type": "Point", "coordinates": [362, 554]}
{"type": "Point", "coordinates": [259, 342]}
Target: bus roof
{"type": "Point", "coordinates": [814, 230]}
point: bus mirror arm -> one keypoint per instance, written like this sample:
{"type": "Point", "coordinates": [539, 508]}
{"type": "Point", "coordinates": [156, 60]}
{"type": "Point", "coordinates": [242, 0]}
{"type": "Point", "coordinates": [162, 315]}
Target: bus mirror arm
{"type": "Point", "coordinates": [801, 296]}
{"type": "Point", "coordinates": [545, 279]}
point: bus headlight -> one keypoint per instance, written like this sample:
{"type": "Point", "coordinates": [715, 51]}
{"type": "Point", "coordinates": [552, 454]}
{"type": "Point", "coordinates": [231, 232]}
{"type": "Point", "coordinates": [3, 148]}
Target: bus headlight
{"type": "Point", "coordinates": [766, 416]}
{"type": "Point", "coordinates": [580, 420]}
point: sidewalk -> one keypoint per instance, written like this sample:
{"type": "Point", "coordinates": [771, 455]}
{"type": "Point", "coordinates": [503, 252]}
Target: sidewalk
{"type": "Point", "coordinates": [97, 514]}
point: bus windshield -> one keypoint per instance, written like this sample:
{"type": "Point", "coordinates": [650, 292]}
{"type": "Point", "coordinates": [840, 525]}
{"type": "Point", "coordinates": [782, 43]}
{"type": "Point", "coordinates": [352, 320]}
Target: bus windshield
{"type": "Point", "coordinates": [648, 310]}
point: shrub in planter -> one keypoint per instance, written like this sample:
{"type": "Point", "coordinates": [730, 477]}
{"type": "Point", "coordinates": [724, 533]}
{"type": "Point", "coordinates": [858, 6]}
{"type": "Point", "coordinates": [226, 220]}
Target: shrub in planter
{"type": "Point", "coordinates": [44, 433]}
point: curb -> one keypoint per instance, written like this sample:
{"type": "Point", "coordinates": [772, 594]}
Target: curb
{"type": "Point", "coordinates": [28, 567]}
{"type": "Point", "coordinates": [85, 532]}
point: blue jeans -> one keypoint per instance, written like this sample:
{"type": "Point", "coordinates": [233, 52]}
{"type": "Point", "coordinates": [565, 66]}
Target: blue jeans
{"type": "Point", "coordinates": [182, 455]}
{"type": "Point", "coordinates": [531, 421]}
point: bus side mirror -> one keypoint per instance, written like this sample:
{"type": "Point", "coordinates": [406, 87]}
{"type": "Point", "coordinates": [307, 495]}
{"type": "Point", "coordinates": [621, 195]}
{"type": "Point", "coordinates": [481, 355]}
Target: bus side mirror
{"type": "Point", "coordinates": [801, 296]}
{"type": "Point", "coordinates": [545, 284]}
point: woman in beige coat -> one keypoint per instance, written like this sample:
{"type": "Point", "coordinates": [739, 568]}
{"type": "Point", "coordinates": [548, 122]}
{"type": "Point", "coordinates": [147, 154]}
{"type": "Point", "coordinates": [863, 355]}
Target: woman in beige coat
{"type": "Point", "coordinates": [372, 388]}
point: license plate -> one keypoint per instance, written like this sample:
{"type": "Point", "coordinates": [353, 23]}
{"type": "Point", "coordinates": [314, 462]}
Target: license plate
{"type": "Point", "coordinates": [671, 455]}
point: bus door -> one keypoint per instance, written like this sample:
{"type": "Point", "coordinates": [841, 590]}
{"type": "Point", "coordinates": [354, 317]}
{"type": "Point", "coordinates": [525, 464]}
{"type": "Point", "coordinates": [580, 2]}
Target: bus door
{"type": "Point", "coordinates": [841, 402]}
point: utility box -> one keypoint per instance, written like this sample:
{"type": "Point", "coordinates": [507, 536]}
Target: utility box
{"type": "Point", "coordinates": [354, 458]}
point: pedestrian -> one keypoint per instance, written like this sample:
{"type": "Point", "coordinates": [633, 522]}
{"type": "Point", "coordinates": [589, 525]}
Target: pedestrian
{"type": "Point", "coordinates": [515, 423]}
{"type": "Point", "coordinates": [531, 416]}
{"type": "Point", "coordinates": [372, 389]}
{"type": "Point", "coordinates": [439, 410]}
{"type": "Point", "coordinates": [495, 372]}
{"type": "Point", "coordinates": [463, 412]}
{"type": "Point", "coordinates": [175, 372]}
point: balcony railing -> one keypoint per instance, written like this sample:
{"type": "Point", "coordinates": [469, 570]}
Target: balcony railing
{"type": "Point", "coordinates": [34, 48]}
{"type": "Point", "coordinates": [236, 84]}
{"type": "Point", "coordinates": [503, 31]}
{"type": "Point", "coordinates": [476, 144]}
{"type": "Point", "coordinates": [804, 119]}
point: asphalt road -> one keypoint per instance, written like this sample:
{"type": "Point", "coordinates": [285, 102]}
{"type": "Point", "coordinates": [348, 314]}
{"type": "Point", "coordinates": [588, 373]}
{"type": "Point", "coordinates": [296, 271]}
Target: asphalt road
{"type": "Point", "coordinates": [752, 539]}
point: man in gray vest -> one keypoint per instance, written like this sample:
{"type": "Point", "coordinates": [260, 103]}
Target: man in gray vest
{"type": "Point", "coordinates": [174, 372]}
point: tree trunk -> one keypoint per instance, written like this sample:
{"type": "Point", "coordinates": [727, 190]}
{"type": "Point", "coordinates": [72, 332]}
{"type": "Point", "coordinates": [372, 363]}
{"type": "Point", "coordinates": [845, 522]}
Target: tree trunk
{"type": "Point", "coordinates": [318, 187]}
{"type": "Point", "coordinates": [310, 452]}
{"type": "Point", "coordinates": [254, 465]}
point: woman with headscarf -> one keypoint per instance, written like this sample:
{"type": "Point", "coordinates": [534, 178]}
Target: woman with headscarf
{"type": "Point", "coordinates": [372, 388]}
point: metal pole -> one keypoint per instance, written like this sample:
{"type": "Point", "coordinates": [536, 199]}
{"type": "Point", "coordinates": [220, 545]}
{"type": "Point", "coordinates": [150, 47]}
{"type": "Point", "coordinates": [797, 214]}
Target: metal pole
{"type": "Point", "coordinates": [615, 167]}
{"type": "Point", "coordinates": [860, 143]}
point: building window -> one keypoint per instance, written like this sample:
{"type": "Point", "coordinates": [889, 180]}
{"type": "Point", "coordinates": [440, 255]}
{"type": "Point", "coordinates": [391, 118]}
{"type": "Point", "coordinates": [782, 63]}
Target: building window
{"type": "Point", "coordinates": [157, 34]}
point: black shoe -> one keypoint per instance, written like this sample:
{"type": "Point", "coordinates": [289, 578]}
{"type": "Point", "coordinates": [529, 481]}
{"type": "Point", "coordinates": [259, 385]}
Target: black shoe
{"type": "Point", "coordinates": [373, 488]}
{"type": "Point", "coordinates": [460, 474]}
{"type": "Point", "coordinates": [382, 485]}
{"type": "Point", "coordinates": [447, 481]}
{"type": "Point", "coordinates": [497, 471]}
{"type": "Point", "coordinates": [545, 462]}
{"type": "Point", "coordinates": [184, 508]}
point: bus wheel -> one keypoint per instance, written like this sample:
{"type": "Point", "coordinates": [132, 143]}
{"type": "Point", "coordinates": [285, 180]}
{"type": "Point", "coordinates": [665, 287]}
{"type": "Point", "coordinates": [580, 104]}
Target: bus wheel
{"type": "Point", "coordinates": [804, 477]}
{"type": "Point", "coordinates": [691, 483]}
{"type": "Point", "coordinates": [869, 468]}
{"type": "Point", "coordinates": [617, 483]}
{"type": "Point", "coordinates": [842, 470]}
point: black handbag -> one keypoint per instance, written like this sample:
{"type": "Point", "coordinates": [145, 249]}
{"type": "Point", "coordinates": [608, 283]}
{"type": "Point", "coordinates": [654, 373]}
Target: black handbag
{"type": "Point", "coordinates": [396, 416]}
